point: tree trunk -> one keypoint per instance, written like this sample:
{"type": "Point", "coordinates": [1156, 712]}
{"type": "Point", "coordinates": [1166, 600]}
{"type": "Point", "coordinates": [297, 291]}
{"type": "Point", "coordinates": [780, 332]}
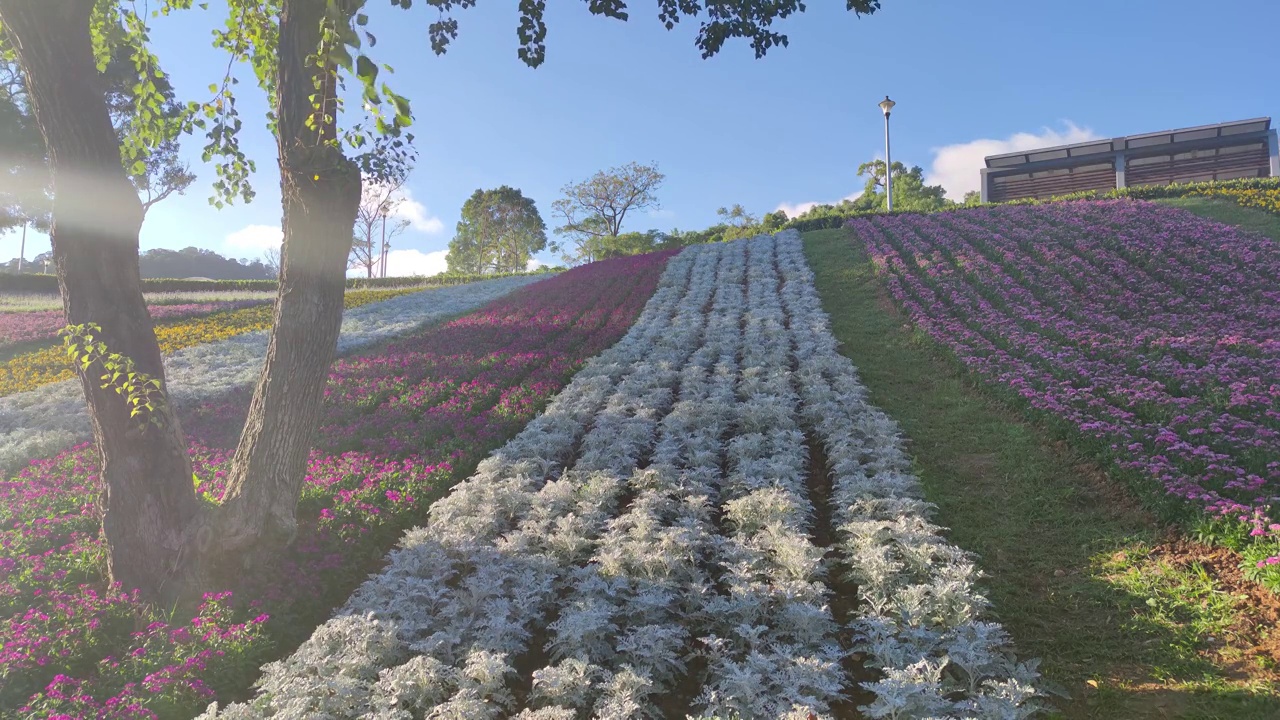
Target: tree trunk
{"type": "Point", "coordinates": [148, 505]}
{"type": "Point", "coordinates": [321, 192]}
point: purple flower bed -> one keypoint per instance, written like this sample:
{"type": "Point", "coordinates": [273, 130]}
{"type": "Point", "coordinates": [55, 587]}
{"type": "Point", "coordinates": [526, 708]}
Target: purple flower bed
{"type": "Point", "coordinates": [1150, 333]}
{"type": "Point", "coordinates": [400, 426]}
{"type": "Point", "coordinates": [23, 327]}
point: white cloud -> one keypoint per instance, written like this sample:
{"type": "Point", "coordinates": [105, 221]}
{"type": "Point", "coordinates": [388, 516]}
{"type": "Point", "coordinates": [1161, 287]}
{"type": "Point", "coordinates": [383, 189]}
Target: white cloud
{"type": "Point", "coordinates": [794, 209]}
{"type": "Point", "coordinates": [416, 262]}
{"type": "Point", "coordinates": [417, 215]}
{"type": "Point", "coordinates": [256, 237]}
{"type": "Point", "coordinates": [956, 167]}
{"type": "Point", "coordinates": [534, 264]}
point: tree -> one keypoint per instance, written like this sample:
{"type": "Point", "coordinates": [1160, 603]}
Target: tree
{"type": "Point", "coordinates": [156, 176]}
{"type": "Point", "coordinates": [372, 236]}
{"type": "Point", "coordinates": [973, 197]}
{"type": "Point", "coordinates": [24, 173]}
{"type": "Point", "coordinates": [595, 208]}
{"type": "Point", "coordinates": [198, 262]}
{"type": "Point", "coordinates": [774, 221]}
{"type": "Point", "coordinates": [909, 190]}
{"type": "Point", "coordinates": [159, 173]}
{"type": "Point", "coordinates": [271, 261]}
{"type": "Point", "coordinates": [158, 537]}
{"type": "Point", "coordinates": [499, 232]}
{"type": "Point", "coordinates": [738, 223]}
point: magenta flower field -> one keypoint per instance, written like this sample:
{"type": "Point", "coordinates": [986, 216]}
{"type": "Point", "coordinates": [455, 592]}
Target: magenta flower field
{"type": "Point", "coordinates": [1151, 334]}
{"type": "Point", "coordinates": [401, 425]}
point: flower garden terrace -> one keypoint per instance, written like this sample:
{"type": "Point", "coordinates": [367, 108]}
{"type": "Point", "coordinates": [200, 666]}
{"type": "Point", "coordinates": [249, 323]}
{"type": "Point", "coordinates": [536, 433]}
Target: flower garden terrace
{"type": "Point", "coordinates": [652, 487]}
{"type": "Point", "coordinates": [74, 646]}
{"type": "Point", "coordinates": [1150, 335]}
{"type": "Point", "coordinates": [656, 529]}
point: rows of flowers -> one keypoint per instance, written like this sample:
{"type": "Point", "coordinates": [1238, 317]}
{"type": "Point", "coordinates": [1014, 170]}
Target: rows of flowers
{"type": "Point", "coordinates": [43, 325]}
{"type": "Point", "coordinates": [1150, 333]}
{"type": "Point", "coordinates": [645, 547]}
{"type": "Point", "coordinates": [31, 370]}
{"type": "Point", "coordinates": [38, 422]}
{"type": "Point", "coordinates": [1262, 198]}
{"type": "Point", "coordinates": [71, 646]}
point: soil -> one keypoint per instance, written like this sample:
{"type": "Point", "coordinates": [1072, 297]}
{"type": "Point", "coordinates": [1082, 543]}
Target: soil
{"type": "Point", "coordinates": [1254, 633]}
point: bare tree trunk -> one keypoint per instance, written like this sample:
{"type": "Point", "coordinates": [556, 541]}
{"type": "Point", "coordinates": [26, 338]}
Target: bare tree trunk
{"type": "Point", "coordinates": [321, 191]}
{"type": "Point", "coordinates": [149, 508]}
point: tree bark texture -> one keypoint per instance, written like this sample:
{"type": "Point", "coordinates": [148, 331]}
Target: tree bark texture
{"type": "Point", "coordinates": [148, 505]}
{"type": "Point", "coordinates": [321, 192]}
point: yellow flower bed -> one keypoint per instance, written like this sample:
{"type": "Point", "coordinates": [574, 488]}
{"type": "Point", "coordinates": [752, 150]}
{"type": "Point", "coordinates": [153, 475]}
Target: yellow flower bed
{"type": "Point", "coordinates": [49, 365]}
{"type": "Point", "coordinates": [1262, 198]}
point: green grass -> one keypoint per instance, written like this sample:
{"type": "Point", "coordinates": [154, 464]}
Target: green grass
{"type": "Point", "coordinates": [1225, 211]}
{"type": "Point", "coordinates": [1065, 549]}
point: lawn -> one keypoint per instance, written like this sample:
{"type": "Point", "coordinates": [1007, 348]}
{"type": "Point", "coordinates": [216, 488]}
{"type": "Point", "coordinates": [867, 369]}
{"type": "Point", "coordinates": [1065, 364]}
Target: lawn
{"type": "Point", "coordinates": [1226, 211]}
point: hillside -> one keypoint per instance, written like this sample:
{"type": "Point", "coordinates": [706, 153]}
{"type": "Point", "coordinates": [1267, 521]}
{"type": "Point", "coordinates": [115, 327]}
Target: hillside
{"type": "Point", "coordinates": [1060, 314]}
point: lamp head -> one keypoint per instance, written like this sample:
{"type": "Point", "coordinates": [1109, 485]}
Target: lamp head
{"type": "Point", "coordinates": [886, 105]}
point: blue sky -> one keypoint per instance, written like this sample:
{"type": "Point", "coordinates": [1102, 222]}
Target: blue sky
{"type": "Point", "coordinates": [970, 78]}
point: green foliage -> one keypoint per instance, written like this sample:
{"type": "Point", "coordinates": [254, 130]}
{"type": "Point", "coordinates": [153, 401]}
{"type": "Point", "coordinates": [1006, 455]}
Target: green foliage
{"type": "Point", "coordinates": [738, 223]}
{"type": "Point", "coordinates": [500, 230]}
{"type": "Point", "coordinates": [143, 393]}
{"type": "Point", "coordinates": [1238, 190]}
{"type": "Point", "coordinates": [774, 221]}
{"type": "Point", "coordinates": [909, 190]}
{"type": "Point", "coordinates": [632, 243]}
{"type": "Point", "coordinates": [24, 175]}
{"type": "Point", "coordinates": [747, 19]}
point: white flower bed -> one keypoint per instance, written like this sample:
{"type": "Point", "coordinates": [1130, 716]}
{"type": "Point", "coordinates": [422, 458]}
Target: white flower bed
{"type": "Point", "coordinates": [645, 547]}
{"type": "Point", "coordinates": [41, 422]}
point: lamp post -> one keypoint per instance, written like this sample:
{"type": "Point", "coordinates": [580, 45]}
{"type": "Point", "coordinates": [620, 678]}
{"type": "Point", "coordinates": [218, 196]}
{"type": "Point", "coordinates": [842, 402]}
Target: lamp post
{"type": "Point", "coordinates": [886, 105]}
{"type": "Point", "coordinates": [22, 249]}
{"type": "Point", "coordinates": [382, 256]}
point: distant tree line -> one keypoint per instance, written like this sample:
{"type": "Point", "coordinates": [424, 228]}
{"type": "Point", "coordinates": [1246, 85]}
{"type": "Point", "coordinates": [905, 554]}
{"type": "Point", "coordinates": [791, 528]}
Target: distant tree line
{"type": "Point", "coordinates": [163, 263]}
{"type": "Point", "coordinates": [501, 229]}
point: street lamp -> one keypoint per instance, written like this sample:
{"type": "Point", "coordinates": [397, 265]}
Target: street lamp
{"type": "Point", "coordinates": [886, 105]}
{"type": "Point", "coordinates": [382, 256]}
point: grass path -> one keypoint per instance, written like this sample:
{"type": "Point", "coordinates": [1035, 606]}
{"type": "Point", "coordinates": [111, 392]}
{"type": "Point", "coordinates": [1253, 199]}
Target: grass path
{"type": "Point", "coordinates": [1078, 571]}
{"type": "Point", "coordinates": [1226, 211]}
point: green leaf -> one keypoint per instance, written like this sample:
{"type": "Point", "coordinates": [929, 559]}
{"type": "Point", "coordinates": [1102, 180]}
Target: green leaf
{"type": "Point", "coordinates": [366, 70]}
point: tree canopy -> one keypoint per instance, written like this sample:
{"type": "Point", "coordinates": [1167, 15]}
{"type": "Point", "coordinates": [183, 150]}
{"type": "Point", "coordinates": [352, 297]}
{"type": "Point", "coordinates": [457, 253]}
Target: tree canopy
{"type": "Point", "coordinates": [26, 193]}
{"type": "Point", "coordinates": [595, 208]}
{"type": "Point", "coordinates": [909, 190]}
{"type": "Point", "coordinates": [500, 230]}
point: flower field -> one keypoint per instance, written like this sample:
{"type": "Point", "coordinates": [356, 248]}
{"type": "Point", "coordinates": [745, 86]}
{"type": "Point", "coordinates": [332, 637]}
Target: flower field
{"type": "Point", "coordinates": [1149, 333]}
{"type": "Point", "coordinates": [666, 539]}
{"type": "Point", "coordinates": [41, 421]}
{"type": "Point", "coordinates": [73, 647]}
{"type": "Point", "coordinates": [34, 369]}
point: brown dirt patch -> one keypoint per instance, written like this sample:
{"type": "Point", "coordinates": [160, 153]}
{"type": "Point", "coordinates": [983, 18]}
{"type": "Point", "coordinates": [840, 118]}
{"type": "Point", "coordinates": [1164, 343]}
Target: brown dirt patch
{"type": "Point", "coordinates": [1255, 633]}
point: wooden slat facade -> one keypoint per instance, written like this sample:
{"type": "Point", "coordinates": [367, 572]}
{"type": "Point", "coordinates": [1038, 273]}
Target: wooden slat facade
{"type": "Point", "coordinates": [1253, 163]}
{"type": "Point", "coordinates": [1241, 149]}
{"type": "Point", "coordinates": [1027, 185]}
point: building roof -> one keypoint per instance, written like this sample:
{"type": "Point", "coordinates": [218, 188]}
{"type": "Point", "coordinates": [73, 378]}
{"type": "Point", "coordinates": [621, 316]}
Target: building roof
{"type": "Point", "coordinates": [1154, 140]}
